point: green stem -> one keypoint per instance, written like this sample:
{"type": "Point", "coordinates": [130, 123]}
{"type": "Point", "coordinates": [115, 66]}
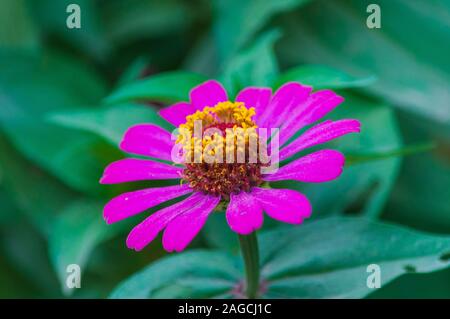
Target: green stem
{"type": "Point", "coordinates": [404, 151]}
{"type": "Point", "coordinates": [250, 253]}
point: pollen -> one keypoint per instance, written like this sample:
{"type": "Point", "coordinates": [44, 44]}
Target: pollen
{"type": "Point", "coordinates": [220, 149]}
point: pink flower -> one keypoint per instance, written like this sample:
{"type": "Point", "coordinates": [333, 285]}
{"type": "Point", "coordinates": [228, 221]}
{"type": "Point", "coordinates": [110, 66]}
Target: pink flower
{"type": "Point", "coordinates": [240, 186]}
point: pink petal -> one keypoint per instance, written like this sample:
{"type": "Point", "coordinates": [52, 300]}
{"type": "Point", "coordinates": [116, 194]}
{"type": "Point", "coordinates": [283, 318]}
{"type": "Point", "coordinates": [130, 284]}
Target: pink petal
{"type": "Point", "coordinates": [176, 113]}
{"type": "Point", "coordinates": [208, 93]}
{"type": "Point", "coordinates": [132, 203]}
{"type": "Point", "coordinates": [285, 205]}
{"type": "Point", "coordinates": [132, 169]}
{"type": "Point", "coordinates": [244, 213]}
{"type": "Point", "coordinates": [313, 109]}
{"type": "Point", "coordinates": [319, 134]}
{"type": "Point", "coordinates": [321, 166]}
{"type": "Point", "coordinates": [285, 100]}
{"type": "Point", "coordinates": [182, 229]}
{"type": "Point", "coordinates": [141, 235]}
{"type": "Point", "coordinates": [258, 98]}
{"type": "Point", "coordinates": [148, 140]}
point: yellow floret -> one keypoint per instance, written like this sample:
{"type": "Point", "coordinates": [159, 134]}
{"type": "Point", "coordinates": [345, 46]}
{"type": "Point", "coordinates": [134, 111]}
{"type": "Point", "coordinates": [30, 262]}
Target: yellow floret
{"type": "Point", "coordinates": [240, 129]}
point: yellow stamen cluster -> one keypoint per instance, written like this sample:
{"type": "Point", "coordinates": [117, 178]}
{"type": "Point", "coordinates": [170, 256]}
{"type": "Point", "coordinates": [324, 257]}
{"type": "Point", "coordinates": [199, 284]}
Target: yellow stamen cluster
{"type": "Point", "coordinates": [231, 131]}
{"type": "Point", "coordinates": [220, 147]}
{"type": "Point", "coordinates": [223, 112]}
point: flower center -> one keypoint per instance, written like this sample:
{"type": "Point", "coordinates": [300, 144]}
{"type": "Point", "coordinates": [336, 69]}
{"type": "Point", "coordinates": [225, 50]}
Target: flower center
{"type": "Point", "coordinates": [220, 149]}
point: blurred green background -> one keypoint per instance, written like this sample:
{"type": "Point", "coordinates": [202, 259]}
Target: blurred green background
{"type": "Point", "coordinates": [67, 96]}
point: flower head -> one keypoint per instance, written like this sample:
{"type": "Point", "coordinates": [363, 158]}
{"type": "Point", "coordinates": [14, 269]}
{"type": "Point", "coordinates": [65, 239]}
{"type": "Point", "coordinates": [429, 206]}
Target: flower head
{"type": "Point", "coordinates": [223, 153]}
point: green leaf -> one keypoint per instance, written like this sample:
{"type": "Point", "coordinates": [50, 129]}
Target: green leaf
{"type": "Point", "coordinates": [26, 250]}
{"type": "Point", "coordinates": [194, 273]}
{"type": "Point", "coordinates": [255, 66]}
{"type": "Point", "coordinates": [38, 195]}
{"type": "Point", "coordinates": [51, 18]}
{"type": "Point", "coordinates": [78, 229]}
{"type": "Point", "coordinates": [302, 263]}
{"type": "Point", "coordinates": [421, 196]}
{"type": "Point", "coordinates": [79, 164]}
{"type": "Point", "coordinates": [8, 211]}
{"type": "Point", "coordinates": [13, 284]}
{"type": "Point", "coordinates": [32, 86]}
{"type": "Point", "coordinates": [134, 71]}
{"type": "Point", "coordinates": [417, 286]}
{"type": "Point", "coordinates": [298, 262]}
{"type": "Point", "coordinates": [109, 122]}
{"type": "Point", "coordinates": [131, 20]}
{"type": "Point", "coordinates": [237, 21]}
{"type": "Point", "coordinates": [322, 77]}
{"type": "Point", "coordinates": [218, 234]}
{"type": "Point", "coordinates": [411, 76]}
{"type": "Point", "coordinates": [426, 176]}
{"type": "Point", "coordinates": [164, 87]}
{"type": "Point", "coordinates": [202, 58]}
{"type": "Point", "coordinates": [17, 29]}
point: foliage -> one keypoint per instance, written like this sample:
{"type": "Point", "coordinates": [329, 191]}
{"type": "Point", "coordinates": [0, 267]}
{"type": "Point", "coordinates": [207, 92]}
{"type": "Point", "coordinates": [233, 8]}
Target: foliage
{"type": "Point", "coordinates": [67, 96]}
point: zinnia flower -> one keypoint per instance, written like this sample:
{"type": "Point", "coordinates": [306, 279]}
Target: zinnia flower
{"type": "Point", "coordinates": [241, 186]}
